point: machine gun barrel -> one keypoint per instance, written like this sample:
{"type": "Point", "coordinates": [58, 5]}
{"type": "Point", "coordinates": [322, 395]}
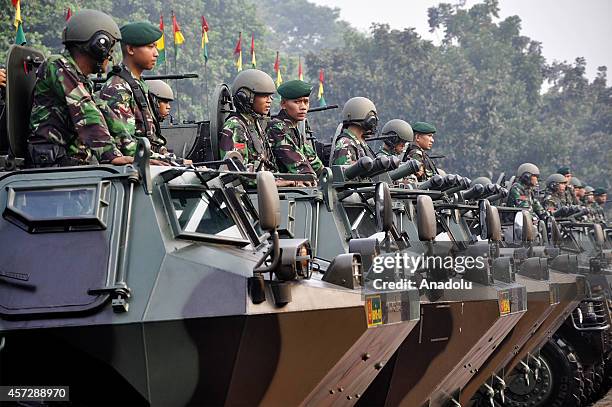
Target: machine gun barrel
{"type": "Point", "coordinates": [463, 183]}
{"type": "Point", "coordinates": [380, 165]}
{"type": "Point", "coordinates": [473, 193]}
{"type": "Point", "coordinates": [154, 77]}
{"type": "Point", "coordinates": [360, 168]}
{"type": "Point", "coordinates": [404, 170]}
{"type": "Point", "coordinates": [434, 183]}
{"type": "Point", "coordinates": [322, 108]}
{"type": "Point", "coordinates": [503, 192]}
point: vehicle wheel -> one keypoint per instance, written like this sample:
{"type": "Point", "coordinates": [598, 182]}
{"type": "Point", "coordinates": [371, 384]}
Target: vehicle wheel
{"type": "Point", "coordinates": [559, 382]}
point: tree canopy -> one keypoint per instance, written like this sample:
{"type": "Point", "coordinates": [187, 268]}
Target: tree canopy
{"type": "Point", "coordinates": [482, 86]}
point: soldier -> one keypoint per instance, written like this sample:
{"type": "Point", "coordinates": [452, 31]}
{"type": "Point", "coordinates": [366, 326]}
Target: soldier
{"type": "Point", "coordinates": [161, 95]}
{"type": "Point", "coordinates": [66, 124]}
{"type": "Point", "coordinates": [359, 119]}
{"type": "Point", "coordinates": [570, 199]}
{"type": "Point", "coordinates": [423, 141]}
{"type": "Point", "coordinates": [129, 114]}
{"type": "Point", "coordinates": [292, 152]}
{"type": "Point", "coordinates": [521, 192]}
{"type": "Point", "coordinates": [555, 192]}
{"type": "Point", "coordinates": [578, 190]}
{"type": "Point", "coordinates": [601, 196]}
{"type": "Point", "coordinates": [399, 133]}
{"type": "Point", "coordinates": [252, 92]}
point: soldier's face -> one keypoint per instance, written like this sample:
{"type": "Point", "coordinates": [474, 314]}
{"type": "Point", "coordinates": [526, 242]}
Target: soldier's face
{"type": "Point", "coordinates": [590, 198]}
{"type": "Point", "coordinates": [568, 178]}
{"type": "Point", "coordinates": [425, 141]}
{"type": "Point", "coordinates": [164, 108]}
{"type": "Point", "coordinates": [579, 192]}
{"type": "Point", "coordinates": [262, 103]}
{"type": "Point", "coordinates": [601, 199]}
{"type": "Point", "coordinates": [399, 148]}
{"type": "Point", "coordinates": [534, 180]}
{"type": "Point", "coordinates": [562, 187]}
{"type": "Point", "coordinates": [297, 109]}
{"type": "Point", "coordinates": [145, 56]}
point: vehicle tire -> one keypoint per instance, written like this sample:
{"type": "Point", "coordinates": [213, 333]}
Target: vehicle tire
{"type": "Point", "coordinates": [560, 382]}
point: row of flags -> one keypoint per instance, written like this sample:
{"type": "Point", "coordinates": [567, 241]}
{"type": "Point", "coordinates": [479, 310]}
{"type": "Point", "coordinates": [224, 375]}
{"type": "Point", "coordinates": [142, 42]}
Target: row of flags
{"type": "Point", "coordinates": [179, 39]}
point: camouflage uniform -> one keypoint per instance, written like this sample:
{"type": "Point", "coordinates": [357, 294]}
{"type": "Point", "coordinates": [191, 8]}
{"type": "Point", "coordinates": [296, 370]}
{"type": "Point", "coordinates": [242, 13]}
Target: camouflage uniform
{"type": "Point", "coordinates": [553, 201]}
{"type": "Point", "coordinates": [349, 149]}
{"type": "Point", "coordinates": [125, 119]}
{"type": "Point", "coordinates": [66, 115]}
{"type": "Point", "coordinates": [243, 133]}
{"type": "Point", "coordinates": [417, 153]}
{"type": "Point", "coordinates": [292, 153]}
{"type": "Point", "coordinates": [569, 196]}
{"type": "Point", "coordinates": [384, 150]}
{"type": "Point", "coordinates": [521, 196]}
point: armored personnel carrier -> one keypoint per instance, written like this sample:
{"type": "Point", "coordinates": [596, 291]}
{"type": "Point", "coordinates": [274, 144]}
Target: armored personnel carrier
{"type": "Point", "coordinates": [149, 282]}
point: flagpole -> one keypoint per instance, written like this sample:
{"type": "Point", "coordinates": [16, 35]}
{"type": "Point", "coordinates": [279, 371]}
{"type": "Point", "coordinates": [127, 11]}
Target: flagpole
{"type": "Point", "coordinates": [206, 87]}
{"type": "Point", "coordinates": [176, 82]}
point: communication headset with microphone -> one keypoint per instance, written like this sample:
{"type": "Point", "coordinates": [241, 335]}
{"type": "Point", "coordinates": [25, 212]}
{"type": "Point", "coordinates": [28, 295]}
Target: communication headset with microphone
{"type": "Point", "coordinates": [100, 45]}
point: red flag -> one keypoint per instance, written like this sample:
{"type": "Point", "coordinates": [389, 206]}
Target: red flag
{"type": "Point", "coordinates": [238, 53]}
{"type": "Point", "coordinates": [15, 3]}
{"type": "Point", "coordinates": [68, 14]}
{"type": "Point", "coordinates": [204, 24]}
{"type": "Point", "coordinates": [321, 76]}
{"type": "Point", "coordinates": [253, 58]}
{"type": "Point", "coordinates": [300, 72]}
{"type": "Point", "coordinates": [277, 63]}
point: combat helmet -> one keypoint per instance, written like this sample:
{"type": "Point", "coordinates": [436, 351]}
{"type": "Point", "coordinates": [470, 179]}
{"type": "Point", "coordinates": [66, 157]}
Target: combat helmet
{"type": "Point", "coordinates": [362, 112]}
{"type": "Point", "coordinates": [526, 170]}
{"type": "Point", "coordinates": [588, 190]}
{"type": "Point", "coordinates": [95, 30]}
{"type": "Point", "coordinates": [576, 183]}
{"type": "Point", "coordinates": [398, 128]}
{"type": "Point", "coordinates": [249, 83]}
{"type": "Point", "coordinates": [160, 89]}
{"type": "Point", "coordinates": [482, 181]}
{"type": "Point", "coordinates": [553, 181]}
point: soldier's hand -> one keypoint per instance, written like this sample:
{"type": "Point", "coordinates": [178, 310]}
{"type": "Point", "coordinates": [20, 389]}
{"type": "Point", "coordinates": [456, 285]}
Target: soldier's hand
{"type": "Point", "coordinates": [123, 160]}
{"type": "Point", "coordinates": [158, 162]}
{"type": "Point", "coordinates": [285, 183]}
{"type": "Point", "coordinates": [2, 78]}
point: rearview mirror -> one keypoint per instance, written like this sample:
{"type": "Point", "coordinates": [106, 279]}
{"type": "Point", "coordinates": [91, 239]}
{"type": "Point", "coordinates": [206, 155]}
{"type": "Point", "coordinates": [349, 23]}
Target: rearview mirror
{"type": "Point", "coordinates": [383, 207]}
{"type": "Point", "coordinates": [268, 201]}
{"type": "Point", "coordinates": [426, 218]}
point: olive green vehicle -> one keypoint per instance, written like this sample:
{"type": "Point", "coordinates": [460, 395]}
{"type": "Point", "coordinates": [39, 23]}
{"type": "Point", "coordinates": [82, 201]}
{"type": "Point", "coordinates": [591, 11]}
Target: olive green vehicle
{"type": "Point", "coordinates": [166, 286]}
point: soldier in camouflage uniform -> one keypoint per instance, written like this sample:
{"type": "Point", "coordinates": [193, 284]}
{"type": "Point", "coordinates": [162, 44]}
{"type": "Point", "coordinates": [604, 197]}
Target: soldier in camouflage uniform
{"type": "Point", "coordinates": [397, 133]}
{"type": "Point", "coordinates": [578, 190]}
{"type": "Point", "coordinates": [129, 113]}
{"type": "Point", "coordinates": [292, 152]}
{"type": "Point", "coordinates": [66, 125]}
{"type": "Point", "coordinates": [555, 193]}
{"type": "Point", "coordinates": [423, 141]}
{"type": "Point", "coordinates": [243, 132]}
{"type": "Point", "coordinates": [359, 120]}
{"type": "Point", "coordinates": [521, 193]}
{"type": "Point", "coordinates": [570, 197]}
{"type": "Point", "coordinates": [601, 196]}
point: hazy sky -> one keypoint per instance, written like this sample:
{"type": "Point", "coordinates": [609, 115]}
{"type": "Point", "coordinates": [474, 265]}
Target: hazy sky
{"type": "Point", "coordinates": [566, 28]}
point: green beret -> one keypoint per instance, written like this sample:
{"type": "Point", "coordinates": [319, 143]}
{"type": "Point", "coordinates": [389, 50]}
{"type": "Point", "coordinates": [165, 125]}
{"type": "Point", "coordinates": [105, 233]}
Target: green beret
{"type": "Point", "coordinates": [564, 171]}
{"type": "Point", "coordinates": [294, 89]}
{"type": "Point", "coordinates": [424, 128]}
{"type": "Point", "coordinates": [599, 191]}
{"type": "Point", "coordinates": [139, 34]}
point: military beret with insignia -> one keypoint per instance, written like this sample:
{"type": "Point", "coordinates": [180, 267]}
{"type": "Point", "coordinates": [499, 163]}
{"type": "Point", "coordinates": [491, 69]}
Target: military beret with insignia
{"type": "Point", "coordinates": [599, 191]}
{"type": "Point", "coordinates": [424, 128]}
{"type": "Point", "coordinates": [294, 89]}
{"type": "Point", "coordinates": [564, 171]}
{"type": "Point", "coordinates": [139, 34]}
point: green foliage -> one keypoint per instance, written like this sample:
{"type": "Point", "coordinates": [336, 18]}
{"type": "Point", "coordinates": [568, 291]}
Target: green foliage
{"type": "Point", "coordinates": [481, 86]}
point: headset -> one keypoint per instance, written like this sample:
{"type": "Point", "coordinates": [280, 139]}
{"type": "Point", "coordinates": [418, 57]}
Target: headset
{"type": "Point", "coordinates": [100, 46]}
